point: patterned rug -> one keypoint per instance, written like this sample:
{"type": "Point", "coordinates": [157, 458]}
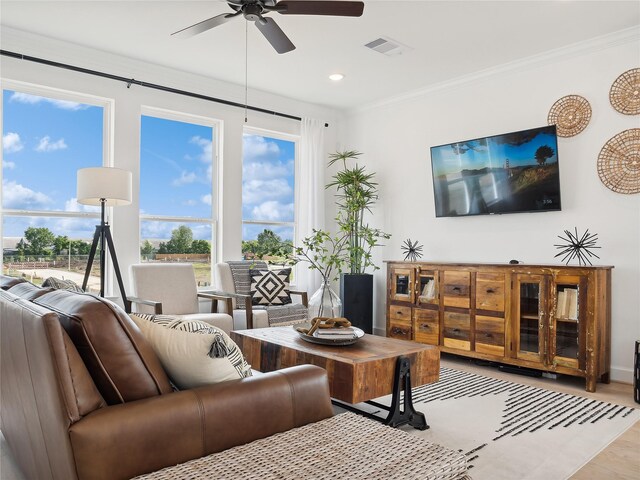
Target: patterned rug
{"type": "Point", "coordinates": [513, 431]}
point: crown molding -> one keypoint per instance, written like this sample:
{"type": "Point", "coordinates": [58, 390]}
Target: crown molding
{"type": "Point", "coordinates": [615, 39]}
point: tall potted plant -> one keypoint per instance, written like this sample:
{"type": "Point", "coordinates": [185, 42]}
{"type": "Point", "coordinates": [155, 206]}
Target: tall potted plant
{"type": "Point", "coordinates": [356, 193]}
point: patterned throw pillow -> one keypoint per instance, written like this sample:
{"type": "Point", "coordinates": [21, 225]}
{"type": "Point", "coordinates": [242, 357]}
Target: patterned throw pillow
{"type": "Point", "coordinates": [59, 284]}
{"type": "Point", "coordinates": [193, 353]}
{"type": "Point", "coordinates": [270, 287]}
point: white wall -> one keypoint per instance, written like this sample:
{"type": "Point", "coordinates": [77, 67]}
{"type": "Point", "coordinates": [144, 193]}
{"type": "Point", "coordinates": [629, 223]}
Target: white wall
{"type": "Point", "coordinates": [395, 137]}
{"type": "Point", "coordinates": [128, 105]}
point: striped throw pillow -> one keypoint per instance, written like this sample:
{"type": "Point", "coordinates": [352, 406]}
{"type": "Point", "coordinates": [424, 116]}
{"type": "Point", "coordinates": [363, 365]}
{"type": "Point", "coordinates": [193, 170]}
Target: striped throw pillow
{"type": "Point", "coordinates": [193, 353]}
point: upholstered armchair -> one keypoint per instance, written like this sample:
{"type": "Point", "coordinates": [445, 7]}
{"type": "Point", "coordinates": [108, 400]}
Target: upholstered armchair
{"type": "Point", "coordinates": [233, 287]}
{"type": "Point", "coordinates": [170, 289]}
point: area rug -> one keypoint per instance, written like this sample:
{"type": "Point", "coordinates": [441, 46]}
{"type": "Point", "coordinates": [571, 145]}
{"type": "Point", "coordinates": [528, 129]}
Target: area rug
{"type": "Point", "coordinates": [512, 431]}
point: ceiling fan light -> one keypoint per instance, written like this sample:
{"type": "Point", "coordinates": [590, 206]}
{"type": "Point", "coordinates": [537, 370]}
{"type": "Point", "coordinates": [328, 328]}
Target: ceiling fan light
{"type": "Point", "coordinates": [336, 77]}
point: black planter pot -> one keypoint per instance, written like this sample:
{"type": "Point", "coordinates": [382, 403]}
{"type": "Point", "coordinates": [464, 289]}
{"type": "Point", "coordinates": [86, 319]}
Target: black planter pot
{"type": "Point", "coordinates": [356, 293]}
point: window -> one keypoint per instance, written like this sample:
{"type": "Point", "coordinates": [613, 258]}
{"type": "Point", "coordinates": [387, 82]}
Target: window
{"type": "Point", "coordinates": [177, 202]}
{"type": "Point", "coordinates": [268, 196]}
{"type": "Point", "coordinates": [47, 136]}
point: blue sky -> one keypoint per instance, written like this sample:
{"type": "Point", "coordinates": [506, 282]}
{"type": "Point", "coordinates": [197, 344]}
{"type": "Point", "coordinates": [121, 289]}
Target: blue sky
{"type": "Point", "coordinates": [175, 168]}
{"type": "Point", "coordinates": [45, 142]}
{"type": "Point", "coordinates": [490, 152]}
{"type": "Point", "coordinates": [268, 187]}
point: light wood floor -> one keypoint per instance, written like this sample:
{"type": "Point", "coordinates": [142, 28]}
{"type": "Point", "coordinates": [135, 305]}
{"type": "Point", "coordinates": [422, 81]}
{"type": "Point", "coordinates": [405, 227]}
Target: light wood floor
{"type": "Point", "coordinates": [619, 461]}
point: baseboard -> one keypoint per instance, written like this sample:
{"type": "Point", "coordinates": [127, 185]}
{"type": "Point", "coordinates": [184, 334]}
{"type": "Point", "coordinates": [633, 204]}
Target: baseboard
{"type": "Point", "coordinates": [622, 374]}
{"type": "Point", "coordinates": [380, 332]}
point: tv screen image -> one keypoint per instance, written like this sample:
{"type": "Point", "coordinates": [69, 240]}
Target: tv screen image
{"type": "Point", "coordinates": [508, 173]}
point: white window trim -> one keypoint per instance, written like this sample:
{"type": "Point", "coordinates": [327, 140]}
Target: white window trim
{"type": "Point", "coordinates": [216, 152]}
{"type": "Point", "coordinates": [107, 105]}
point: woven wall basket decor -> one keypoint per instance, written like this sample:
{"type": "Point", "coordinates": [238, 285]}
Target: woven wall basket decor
{"type": "Point", "coordinates": [619, 162]}
{"type": "Point", "coordinates": [570, 115]}
{"type": "Point", "coordinates": [625, 92]}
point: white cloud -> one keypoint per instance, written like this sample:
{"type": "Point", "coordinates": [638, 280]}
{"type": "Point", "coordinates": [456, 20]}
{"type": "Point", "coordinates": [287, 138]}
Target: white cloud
{"type": "Point", "coordinates": [72, 205]}
{"type": "Point", "coordinates": [159, 230]}
{"type": "Point", "coordinates": [75, 227]}
{"type": "Point", "coordinates": [272, 211]}
{"type": "Point", "coordinates": [46, 145]}
{"type": "Point", "coordinates": [206, 146]}
{"type": "Point", "coordinates": [11, 143]}
{"type": "Point", "coordinates": [206, 199]}
{"type": "Point", "coordinates": [8, 165]}
{"type": "Point", "coordinates": [259, 191]}
{"type": "Point", "coordinates": [184, 179]}
{"type": "Point", "coordinates": [255, 146]}
{"type": "Point", "coordinates": [189, 203]}
{"type": "Point", "coordinates": [263, 170]}
{"type": "Point", "coordinates": [19, 197]}
{"type": "Point", "coordinates": [34, 99]}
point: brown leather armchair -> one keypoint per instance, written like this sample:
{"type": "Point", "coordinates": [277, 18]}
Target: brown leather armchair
{"type": "Point", "coordinates": [84, 396]}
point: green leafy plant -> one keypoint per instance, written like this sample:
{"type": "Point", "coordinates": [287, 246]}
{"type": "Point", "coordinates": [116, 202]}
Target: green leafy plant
{"type": "Point", "coordinates": [356, 193]}
{"type": "Point", "coordinates": [324, 253]}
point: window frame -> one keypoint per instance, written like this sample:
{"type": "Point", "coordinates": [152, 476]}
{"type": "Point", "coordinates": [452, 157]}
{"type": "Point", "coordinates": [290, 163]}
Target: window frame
{"type": "Point", "coordinates": [216, 151]}
{"type": "Point", "coordinates": [295, 139]}
{"type": "Point", "coordinates": [107, 105]}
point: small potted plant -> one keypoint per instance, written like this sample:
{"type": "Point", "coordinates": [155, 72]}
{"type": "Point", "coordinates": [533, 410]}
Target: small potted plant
{"type": "Point", "coordinates": [356, 193]}
{"type": "Point", "coordinates": [326, 254]}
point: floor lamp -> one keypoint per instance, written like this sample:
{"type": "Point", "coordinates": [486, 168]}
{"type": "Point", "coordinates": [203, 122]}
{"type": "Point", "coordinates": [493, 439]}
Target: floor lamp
{"type": "Point", "coordinates": [106, 187]}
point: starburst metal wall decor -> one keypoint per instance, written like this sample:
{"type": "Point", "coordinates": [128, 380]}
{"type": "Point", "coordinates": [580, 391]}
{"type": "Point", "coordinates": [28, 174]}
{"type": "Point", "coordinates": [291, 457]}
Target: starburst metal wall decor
{"type": "Point", "coordinates": [577, 246]}
{"type": "Point", "coordinates": [412, 251]}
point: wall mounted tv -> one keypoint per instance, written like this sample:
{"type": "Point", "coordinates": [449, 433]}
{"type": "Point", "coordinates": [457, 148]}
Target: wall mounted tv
{"type": "Point", "coordinates": [508, 173]}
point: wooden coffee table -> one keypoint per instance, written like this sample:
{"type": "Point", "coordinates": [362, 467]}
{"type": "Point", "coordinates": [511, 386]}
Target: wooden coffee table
{"type": "Point", "coordinates": [372, 367]}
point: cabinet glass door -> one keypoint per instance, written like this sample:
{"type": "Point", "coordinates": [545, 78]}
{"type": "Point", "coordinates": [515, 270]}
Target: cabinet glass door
{"type": "Point", "coordinates": [566, 326]}
{"type": "Point", "coordinates": [427, 291]}
{"type": "Point", "coordinates": [402, 284]}
{"type": "Point", "coordinates": [530, 317]}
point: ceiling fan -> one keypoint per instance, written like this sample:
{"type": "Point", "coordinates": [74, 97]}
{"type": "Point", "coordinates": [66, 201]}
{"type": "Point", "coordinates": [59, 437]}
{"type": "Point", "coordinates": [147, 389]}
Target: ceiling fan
{"type": "Point", "coordinates": [254, 10]}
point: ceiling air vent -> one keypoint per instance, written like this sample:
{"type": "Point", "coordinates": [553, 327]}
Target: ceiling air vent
{"type": "Point", "coordinates": [388, 46]}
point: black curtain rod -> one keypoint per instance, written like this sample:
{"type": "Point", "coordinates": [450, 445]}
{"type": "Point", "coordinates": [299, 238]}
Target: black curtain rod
{"type": "Point", "coordinates": [155, 86]}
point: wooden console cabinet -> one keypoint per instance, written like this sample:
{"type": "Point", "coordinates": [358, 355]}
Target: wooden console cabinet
{"type": "Point", "coordinates": [550, 318]}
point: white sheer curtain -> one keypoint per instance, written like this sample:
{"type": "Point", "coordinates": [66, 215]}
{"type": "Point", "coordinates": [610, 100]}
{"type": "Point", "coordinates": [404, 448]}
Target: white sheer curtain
{"type": "Point", "coordinates": [310, 180]}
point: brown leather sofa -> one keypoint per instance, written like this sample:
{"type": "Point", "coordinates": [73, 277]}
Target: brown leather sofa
{"type": "Point", "coordinates": [85, 397]}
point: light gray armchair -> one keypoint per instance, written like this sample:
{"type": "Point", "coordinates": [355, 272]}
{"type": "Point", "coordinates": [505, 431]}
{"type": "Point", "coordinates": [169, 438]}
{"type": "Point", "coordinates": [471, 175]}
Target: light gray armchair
{"type": "Point", "coordinates": [170, 289]}
{"type": "Point", "coordinates": [232, 283]}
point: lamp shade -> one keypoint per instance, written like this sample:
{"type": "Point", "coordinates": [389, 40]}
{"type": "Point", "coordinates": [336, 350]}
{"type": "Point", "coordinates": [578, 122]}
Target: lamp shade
{"type": "Point", "coordinates": [111, 184]}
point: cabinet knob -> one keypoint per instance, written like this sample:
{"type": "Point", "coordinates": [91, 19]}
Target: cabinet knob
{"type": "Point", "coordinates": [488, 335]}
{"type": "Point", "coordinates": [490, 290]}
{"type": "Point", "coordinates": [426, 326]}
{"type": "Point", "coordinates": [456, 289]}
{"type": "Point", "coordinates": [456, 330]}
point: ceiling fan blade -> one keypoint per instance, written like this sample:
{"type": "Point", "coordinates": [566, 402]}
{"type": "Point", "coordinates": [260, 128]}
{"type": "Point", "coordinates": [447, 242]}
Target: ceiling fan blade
{"type": "Point", "coordinates": [327, 7]}
{"type": "Point", "coordinates": [274, 34]}
{"type": "Point", "coordinates": [204, 25]}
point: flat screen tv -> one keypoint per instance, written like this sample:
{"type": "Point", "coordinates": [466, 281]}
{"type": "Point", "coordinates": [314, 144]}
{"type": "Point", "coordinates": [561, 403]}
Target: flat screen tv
{"type": "Point", "coordinates": [509, 173]}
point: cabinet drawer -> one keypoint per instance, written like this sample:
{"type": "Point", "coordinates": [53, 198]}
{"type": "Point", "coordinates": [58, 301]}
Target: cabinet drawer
{"type": "Point", "coordinates": [490, 335]}
{"type": "Point", "coordinates": [455, 289]}
{"type": "Point", "coordinates": [400, 314]}
{"type": "Point", "coordinates": [456, 331]}
{"type": "Point", "coordinates": [426, 326]}
{"type": "Point", "coordinates": [399, 330]}
{"type": "Point", "coordinates": [490, 291]}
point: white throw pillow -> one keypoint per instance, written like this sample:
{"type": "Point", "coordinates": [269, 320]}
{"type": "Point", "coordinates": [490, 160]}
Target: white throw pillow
{"type": "Point", "coordinates": [192, 353]}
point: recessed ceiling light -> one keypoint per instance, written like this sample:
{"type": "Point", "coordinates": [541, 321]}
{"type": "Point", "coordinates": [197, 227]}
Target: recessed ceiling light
{"type": "Point", "coordinates": [336, 77]}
